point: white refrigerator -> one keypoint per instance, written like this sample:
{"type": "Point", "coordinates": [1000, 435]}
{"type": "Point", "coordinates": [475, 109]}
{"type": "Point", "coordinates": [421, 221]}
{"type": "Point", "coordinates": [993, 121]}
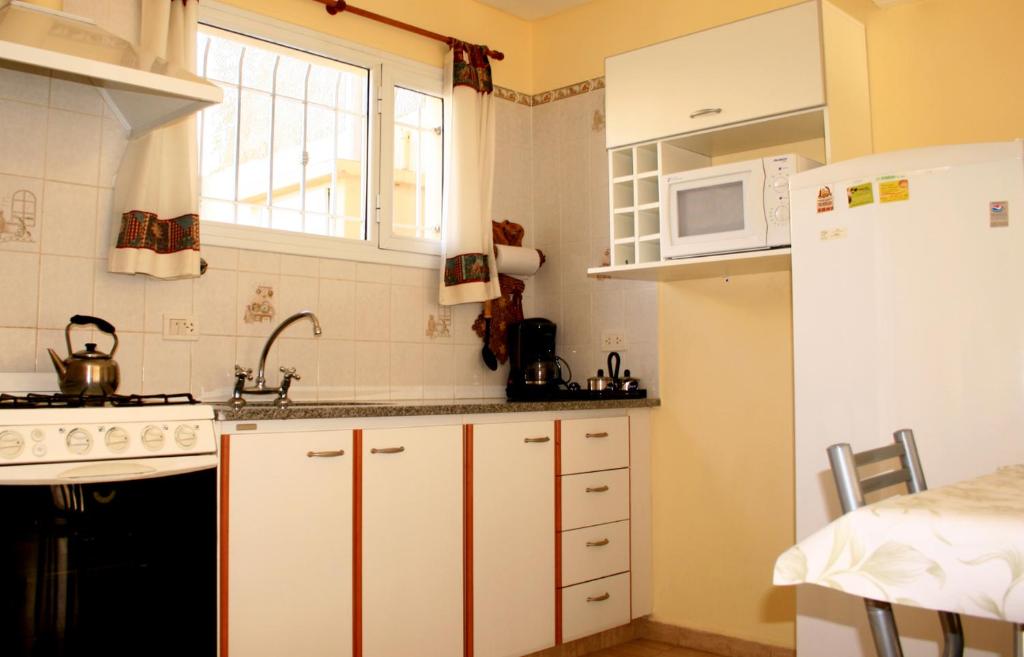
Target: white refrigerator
{"type": "Point", "coordinates": [908, 312]}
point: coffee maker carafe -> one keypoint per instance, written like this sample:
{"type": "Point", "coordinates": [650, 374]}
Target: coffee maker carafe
{"type": "Point", "coordinates": [531, 351]}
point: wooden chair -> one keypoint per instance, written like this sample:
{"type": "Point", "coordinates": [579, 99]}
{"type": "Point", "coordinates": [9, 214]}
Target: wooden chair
{"type": "Point", "coordinates": [852, 487]}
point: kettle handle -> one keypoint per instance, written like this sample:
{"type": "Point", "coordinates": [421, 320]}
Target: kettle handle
{"type": "Point", "coordinates": [86, 320]}
{"type": "Point", "coordinates": [614, 360]}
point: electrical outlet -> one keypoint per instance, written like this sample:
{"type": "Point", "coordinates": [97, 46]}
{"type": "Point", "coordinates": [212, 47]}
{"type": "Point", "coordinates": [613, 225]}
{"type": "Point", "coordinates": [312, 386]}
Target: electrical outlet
{"type": "Point", "coordinates": [181, 327]}
{"type": "Point", "coordinates": [613, 341]}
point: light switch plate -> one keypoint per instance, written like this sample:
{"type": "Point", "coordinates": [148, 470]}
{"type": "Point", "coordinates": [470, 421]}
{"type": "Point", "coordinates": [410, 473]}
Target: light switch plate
{"type": "Point", "coordinates": [181, 327]}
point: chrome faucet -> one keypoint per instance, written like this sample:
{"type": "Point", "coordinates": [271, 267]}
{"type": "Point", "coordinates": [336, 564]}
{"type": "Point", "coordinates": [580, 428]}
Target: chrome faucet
{"type": "Point", "coordinates": [245, 374]}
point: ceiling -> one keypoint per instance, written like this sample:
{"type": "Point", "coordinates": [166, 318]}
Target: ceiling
{"type": "Point", "coordinates": [531, 10]}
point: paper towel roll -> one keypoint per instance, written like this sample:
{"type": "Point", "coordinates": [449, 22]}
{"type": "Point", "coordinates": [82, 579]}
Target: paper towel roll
{"type": "Point", "coordinates": [518, 260]}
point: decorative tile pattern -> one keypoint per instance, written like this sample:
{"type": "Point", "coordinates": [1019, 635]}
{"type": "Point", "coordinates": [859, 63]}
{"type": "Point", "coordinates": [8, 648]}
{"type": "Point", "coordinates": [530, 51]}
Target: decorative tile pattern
{"type": "Point", "coordinates": [18, 224]}
{"type": "Point", "coordinates": [261, 307]}
{"type": "Point", "coordinates": [544, 97]}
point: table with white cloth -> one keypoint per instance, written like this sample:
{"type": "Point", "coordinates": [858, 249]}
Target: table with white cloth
{"type": "Point", "coordinates": [957, 548]}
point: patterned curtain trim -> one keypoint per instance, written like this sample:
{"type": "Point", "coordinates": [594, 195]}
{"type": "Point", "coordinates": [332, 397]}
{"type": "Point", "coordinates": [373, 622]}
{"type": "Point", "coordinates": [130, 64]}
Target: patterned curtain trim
{"type": "Point", "coordinates": [472, 68]}
{"type": "Point", "coordinates": [144, 230]}
{"type": "Point", "coordinates": [466, 268]}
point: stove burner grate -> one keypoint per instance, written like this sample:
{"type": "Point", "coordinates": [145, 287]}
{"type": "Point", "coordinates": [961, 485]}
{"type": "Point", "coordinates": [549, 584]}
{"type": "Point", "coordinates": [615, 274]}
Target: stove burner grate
{"type": "Point", "coordinates": [58, 400]}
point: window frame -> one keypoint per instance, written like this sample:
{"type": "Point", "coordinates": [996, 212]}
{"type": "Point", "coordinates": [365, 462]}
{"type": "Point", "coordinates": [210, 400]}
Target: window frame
{"type": "Point", "coordinates": [384, 68]}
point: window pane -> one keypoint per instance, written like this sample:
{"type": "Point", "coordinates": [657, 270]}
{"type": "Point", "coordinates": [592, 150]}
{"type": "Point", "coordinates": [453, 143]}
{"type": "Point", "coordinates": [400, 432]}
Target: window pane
{"type": "Point", "coordinates": [417, 165]}
{"type": "Point", "coordinates": [254, 147]}
{"type": "Point", "coordinates": [258, 69]}
{"type": "Point", "coordinates": [287, 149]}
{"type": "Point", "coordinates": [222, 60]}
{"type": "Point", "coordinates": [323, 86]}
{"type": "Point", "coordinates": [288, 119]}
{"type": "Point", "coordinates": [220, 130]}
{"type": "Point", "coordinates": [291, 78]}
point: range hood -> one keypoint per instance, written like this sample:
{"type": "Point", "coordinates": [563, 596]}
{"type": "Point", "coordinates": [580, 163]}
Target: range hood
{"type": "Point", "coordinates": [42, 40]}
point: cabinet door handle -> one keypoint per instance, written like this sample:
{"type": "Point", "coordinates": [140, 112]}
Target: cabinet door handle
{"type": "Point", "coordinates": [602, 542]}
{"type": "Point", "coordinates": [538, 439]}
{"type": "Point", "coordinates": [599, 434]}
{"type": "Point", "coordinates": [326, 454]}
{"type": "Point", "coordinates": [599, 598]}
{"type": "Point", "coordinates": [387, 450]}
{"type": "Point", "coordinates": [706, 111]}
{"type": "Point", "coordinates": [597, 489]}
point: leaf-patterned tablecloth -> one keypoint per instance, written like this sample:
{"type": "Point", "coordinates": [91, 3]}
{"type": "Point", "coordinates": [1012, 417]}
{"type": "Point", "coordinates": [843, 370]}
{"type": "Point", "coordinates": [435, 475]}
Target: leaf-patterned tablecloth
{"type": "Point", "coordinates": [956, 548]}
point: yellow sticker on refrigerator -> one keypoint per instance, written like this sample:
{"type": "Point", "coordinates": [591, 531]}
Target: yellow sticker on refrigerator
{"type": "Point", "coordinates": [893, 188]}
{"type": "Point", "coordinates": [860, 194]}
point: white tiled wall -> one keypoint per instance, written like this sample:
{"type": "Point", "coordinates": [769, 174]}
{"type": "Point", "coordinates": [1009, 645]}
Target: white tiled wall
{"type": "Point", "coordinates": [59, 144]}
{"type": "Point", "coordinates": [570, 207]}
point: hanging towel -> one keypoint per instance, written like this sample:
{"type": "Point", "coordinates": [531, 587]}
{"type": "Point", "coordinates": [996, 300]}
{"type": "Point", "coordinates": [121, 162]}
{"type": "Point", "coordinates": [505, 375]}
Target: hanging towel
{"type": "Point", "coordinates": [156, 194]}
{"type": "Point", "coordinates": [468, 268]}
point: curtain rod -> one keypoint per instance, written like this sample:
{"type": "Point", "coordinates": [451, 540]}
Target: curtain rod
{"type": "Point", "coordinates": [335, 6]}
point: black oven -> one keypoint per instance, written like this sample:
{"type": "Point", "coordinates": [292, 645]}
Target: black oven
{"type": "Point", "coordinates": [109, 569]}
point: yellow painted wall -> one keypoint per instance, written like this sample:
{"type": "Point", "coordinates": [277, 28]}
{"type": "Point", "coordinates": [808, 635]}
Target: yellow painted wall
{"type": "Point", "coordinates": [464, 19]}
{"type": "Point", "coordinates": [946, 72]}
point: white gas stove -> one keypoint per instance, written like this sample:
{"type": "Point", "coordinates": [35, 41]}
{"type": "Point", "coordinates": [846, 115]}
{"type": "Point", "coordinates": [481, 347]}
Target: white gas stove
{"type": "Point", "coordinates": [107, 500]}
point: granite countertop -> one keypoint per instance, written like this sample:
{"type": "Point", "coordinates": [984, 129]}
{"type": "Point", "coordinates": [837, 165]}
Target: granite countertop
{"type": "Point", "coordinates": [337, 409]}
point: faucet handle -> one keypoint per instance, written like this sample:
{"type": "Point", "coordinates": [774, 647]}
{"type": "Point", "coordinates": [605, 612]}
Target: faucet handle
{"type": "Point", "coordinates": [289, 373]}
{"type": "Point", "coordinates": [243, 373]}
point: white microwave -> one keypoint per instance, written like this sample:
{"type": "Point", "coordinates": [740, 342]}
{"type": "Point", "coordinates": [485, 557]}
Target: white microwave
{"type": "Point", "coordinates": [742, 206]}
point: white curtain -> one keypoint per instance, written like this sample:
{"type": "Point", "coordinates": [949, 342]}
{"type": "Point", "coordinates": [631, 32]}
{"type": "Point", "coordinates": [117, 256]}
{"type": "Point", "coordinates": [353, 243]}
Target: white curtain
{"type": "Point", "coordinates": [156, 194]}
{"type": "Point", "coordinates": [469, 272]}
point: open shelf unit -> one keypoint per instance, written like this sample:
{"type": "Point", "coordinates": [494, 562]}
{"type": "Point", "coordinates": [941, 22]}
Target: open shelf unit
{"type": "Point", "coordinates": [727, 264]}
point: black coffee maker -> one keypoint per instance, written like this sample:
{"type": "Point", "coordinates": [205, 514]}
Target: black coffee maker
{"type": "Point", "coordinates": [534, 369]}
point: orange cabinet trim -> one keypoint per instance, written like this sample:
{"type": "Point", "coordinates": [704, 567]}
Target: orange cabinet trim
{"type": "Point", "coordinates": [225, 480]}
{"type": "Point", "coordinates": [357, 543]}
{"type": "Point", "coordinates": [467, 540]}
{"type": "Point", "coordinates": [558, 529]}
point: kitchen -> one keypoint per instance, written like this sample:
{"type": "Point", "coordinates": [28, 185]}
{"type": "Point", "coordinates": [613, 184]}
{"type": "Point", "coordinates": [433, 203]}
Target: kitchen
{"type": "Point", "coordinates": [929, 62]}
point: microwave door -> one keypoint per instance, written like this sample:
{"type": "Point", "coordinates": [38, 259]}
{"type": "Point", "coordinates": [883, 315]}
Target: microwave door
{"type": "Point", "coordinates": [718, 213]}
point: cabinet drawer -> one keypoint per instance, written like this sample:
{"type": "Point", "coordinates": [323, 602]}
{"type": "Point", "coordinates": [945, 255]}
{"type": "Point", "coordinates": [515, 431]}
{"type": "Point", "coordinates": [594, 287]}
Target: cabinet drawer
{"type": "Point", "coordinates": [594, 552]}
{"type": "Point", "coordinates": [595, 444]}
{"type": "Point", "coordinates": [595, 498]}
{"type": "Point", "coordinates": [595, 606]}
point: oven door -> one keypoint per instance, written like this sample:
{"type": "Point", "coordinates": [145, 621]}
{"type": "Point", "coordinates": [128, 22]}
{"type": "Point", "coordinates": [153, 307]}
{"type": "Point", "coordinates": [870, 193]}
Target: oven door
{"type": "Point", "coordinates": [109, 558]}
{"type": "Point", "coordinates": [718, 209]}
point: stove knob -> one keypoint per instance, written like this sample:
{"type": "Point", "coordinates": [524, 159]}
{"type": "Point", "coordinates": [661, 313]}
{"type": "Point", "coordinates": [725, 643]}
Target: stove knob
{"type": "Point", "coordinates": [11, 443]}
{"type": "Point", "coordinates": [117, 439]}
{"type": "Point", "coordinates": [153, 438]}
{"type": "Point", "coordinates": [79, 441]}
{"type": "Point", "coordinates": [185, 436]}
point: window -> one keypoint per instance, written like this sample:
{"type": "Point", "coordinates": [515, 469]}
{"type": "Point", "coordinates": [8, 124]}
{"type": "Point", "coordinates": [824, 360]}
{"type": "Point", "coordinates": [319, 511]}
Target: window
{"type": "Point", "coordinates": [317, 149]}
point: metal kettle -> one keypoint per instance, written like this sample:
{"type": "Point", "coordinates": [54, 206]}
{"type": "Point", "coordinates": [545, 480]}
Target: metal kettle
{"type": "Point", "coordinates": [89, 371]}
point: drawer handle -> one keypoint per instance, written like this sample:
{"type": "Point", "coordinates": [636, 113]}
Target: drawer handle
{"type": "Point", "coordinates": [706, 111]}
{"type": "Point", "coordinates": [597, 489]}
{"type": "Point", "coordinates": [539, 439]}
{"type": "Point", "coordinates": [602, 542]}
{"type": "Point", "coordinates": [599, 434]}
{"type": "Point", "coordinates": [327, 454]}
{"type": "Point", "coordinates": [387, 450]}
{"type": "Point", "coordinates": [599, 598]}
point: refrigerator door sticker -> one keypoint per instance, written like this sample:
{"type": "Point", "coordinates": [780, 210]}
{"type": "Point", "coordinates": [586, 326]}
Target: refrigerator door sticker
{"type": "Point", "coordinates": [998, 214]}
{"type": "Point", "coordinates": [860, 194]}
{"type": "Point", "coordinates": [825, 201]}
{"type": "Point", "coordinates": [893, 188]}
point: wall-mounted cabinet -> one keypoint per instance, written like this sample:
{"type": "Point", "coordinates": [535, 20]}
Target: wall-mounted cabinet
{"type": "Point", "coordinates": [790, 80]}
{"type": "Point", "coordinates": [761, 66]}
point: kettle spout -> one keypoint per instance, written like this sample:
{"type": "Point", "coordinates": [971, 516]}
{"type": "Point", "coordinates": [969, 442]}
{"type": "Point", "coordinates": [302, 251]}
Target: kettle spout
{"type": "Point", "coordinates": [58, 364]}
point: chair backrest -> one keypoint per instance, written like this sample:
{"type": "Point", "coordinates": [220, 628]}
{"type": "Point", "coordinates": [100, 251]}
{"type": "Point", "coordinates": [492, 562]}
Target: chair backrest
{"type": "Point", "coordinates": [852, 487]}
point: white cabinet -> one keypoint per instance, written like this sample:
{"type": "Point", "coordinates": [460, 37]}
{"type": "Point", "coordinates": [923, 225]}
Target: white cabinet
{"type": "Point", "coordinates": [287, 543]}
{"type": "Point", "coordinates": [412, 542]}
{"type": "Point", "coordinates": [761, 66]}
{"type": "Point", "coordinates": [513, 538]}
{"type": "Point", "coordinates": [594, 490]}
